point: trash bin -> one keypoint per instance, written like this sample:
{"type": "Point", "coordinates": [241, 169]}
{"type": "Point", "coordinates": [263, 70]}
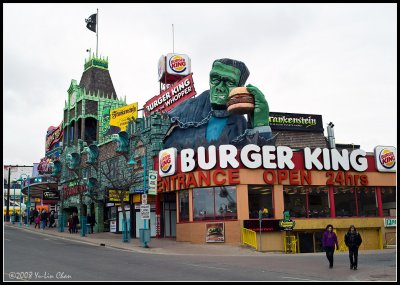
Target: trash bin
{"type": "Point", "coordinates": [144, 237]}
{"type": "Point", "coordinates": [88, 228]}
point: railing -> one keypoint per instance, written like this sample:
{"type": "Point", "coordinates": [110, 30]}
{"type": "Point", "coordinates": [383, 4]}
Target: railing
{"type": "Point", "coordinates": [249, 237]}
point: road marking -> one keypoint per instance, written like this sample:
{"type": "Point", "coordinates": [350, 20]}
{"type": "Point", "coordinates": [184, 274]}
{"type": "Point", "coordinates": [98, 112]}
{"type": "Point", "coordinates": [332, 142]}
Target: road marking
{"type": "Point", "coordinates": [211, 267]}
{"type": "Point", "coordinates": [299, 278]}
{"type": "Point", "coordinates": [7, 239]}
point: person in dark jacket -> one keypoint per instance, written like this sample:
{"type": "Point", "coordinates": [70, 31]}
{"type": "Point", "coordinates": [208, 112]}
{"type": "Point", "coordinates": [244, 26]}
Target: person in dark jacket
{"type": "Point", "coordinates": [75, 223]}
{"type": "Point", "coordinates": [353, 241]}
{"type": "Point", "coordinates": [329, 240]}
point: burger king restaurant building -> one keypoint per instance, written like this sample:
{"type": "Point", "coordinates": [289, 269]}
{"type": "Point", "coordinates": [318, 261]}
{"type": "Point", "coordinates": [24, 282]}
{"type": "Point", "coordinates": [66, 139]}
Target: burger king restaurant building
{"type": "Point", "coordinates": [222, 191]}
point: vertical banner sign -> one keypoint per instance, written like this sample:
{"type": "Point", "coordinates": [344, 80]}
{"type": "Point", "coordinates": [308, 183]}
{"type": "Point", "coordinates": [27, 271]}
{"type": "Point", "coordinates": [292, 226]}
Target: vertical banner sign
{"type": "Point", "coordinates": [152, 182]}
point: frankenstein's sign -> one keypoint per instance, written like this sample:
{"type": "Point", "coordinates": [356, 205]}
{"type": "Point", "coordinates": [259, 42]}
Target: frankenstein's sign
{"type": "Point", "coordinates": [295, 122]}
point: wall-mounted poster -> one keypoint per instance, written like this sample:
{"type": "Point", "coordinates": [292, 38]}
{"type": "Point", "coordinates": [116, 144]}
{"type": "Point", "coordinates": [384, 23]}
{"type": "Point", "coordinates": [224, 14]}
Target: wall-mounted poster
{"type": "Point", "coordinates": [215, 232]}
{"type": "Point", "coordinates": [113, 226]}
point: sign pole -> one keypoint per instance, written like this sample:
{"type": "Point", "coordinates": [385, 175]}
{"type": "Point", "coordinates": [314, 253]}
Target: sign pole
{"type": "Point", "coordinates": [260, 219]}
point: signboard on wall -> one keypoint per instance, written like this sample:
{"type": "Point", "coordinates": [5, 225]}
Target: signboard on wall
{"type": "Point", "coordinates": [390, 222]}
{"type": "Point", "coordinates": [120, 117]}
{"type": "Point", "coordinates": [113, 226]}
{"type": "Point", "coordinates": [167, 161]}
{"type": "Point", "coordinates": [51, 195]}
{"type": "Point", "coordinates": [215, 232]}
{"type": "Point", "coordinates": [385, 158]}
{"type": "Point", "coordinates": [295, 122]}
{"type": "Point", "coordinates": [114, 195]}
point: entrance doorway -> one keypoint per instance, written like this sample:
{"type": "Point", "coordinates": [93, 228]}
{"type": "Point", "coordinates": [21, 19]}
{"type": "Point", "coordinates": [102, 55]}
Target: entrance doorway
{"type": "Point", "coordinates": [169, 215]}
{"type": "Point", "coordinates": [309, 241]}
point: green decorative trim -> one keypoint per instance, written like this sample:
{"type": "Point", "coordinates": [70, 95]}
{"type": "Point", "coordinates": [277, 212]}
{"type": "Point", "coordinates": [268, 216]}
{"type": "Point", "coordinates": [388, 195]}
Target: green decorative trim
{"type": "Point", "coordinates": [96, 62]}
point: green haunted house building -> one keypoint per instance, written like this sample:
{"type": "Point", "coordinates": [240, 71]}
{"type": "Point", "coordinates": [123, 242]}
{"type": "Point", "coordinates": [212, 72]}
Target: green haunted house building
{"type": "Point", "coordinates": [86, 123]}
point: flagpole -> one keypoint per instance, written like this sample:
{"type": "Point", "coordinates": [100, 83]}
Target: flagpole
{"type": "Point", "coordinates": [97, 31]}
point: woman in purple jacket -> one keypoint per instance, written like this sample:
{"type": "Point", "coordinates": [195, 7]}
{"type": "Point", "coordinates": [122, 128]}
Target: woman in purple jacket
{"type": "Point", "coordinates": [329, 239]}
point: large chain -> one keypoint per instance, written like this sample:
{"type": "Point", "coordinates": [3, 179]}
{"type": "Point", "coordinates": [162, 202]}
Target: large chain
{"type": "Point", "coordinates": [192, 124]}
{"type": "Point", "coordinates": [205, 120]}
{"type": "Point", "coordinates": [240, 137]}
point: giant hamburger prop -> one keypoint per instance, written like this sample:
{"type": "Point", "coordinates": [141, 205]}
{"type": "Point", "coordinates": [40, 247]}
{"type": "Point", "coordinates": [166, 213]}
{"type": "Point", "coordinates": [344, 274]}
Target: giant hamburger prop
{"type": "Point", "coordinates": [240, 101]}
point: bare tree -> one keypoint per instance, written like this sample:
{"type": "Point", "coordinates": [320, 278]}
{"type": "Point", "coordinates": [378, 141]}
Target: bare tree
{"type": "Point", "coordinates": [119, 177]}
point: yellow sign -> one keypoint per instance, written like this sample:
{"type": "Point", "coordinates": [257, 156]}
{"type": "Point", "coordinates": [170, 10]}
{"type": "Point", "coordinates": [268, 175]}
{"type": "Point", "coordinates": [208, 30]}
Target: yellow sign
{"type": "Point", "coordinates": [120, 117]}
{"type": "Point", "coordinates": [114, 195]}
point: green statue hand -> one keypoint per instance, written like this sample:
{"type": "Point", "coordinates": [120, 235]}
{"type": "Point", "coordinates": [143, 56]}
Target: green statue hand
{"type": "Point", "coordinates": [260, 116]}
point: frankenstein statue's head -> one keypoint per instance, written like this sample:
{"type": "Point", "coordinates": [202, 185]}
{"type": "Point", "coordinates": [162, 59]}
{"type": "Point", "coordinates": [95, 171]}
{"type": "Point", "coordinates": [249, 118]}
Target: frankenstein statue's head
{"type": "Point", "coordinates": [225, 75]}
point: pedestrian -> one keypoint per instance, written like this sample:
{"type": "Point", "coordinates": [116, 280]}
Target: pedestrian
{"type": "Point", "coordinates": [37, 222]}
{"type": "Point", "coordinates": [43, 219]}
{"type": "Point", "coordinates": [24, 217]}
{"type": "Point", "coordinates": [35, 214]}
{"type": "Point", "coordinates": [75, 223]}
{"type": "Point", "coordinates": [70, 224]}
{"type": "Point", "coordinates": [52, 220]}
{"type": "Point", "coordinates": [329, 239]}
{"type": "Point", "coordinates": [353, 241]}
{"type": "Point", "coordinates": [91, 220]}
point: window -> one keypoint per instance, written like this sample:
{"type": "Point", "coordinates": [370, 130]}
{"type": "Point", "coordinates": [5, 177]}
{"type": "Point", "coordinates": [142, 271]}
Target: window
{"type": "Point", "coordinates": [345, 202]}
{"type": "Point", "coordinates": [260, 198]}
{"type": "Point", "coordinates": [355, 201]}
{"type": "Point", "coordinates": [318, 202]}
{"type": "Point", "coordinates": [307, 202]}
{"type": "Point", "coordinates": [184, 206]}
{"type": "Point", "coordinates": [366, 202]}
{"type": "Point", "coordinates": [388, 195]}
{"type": "Point", "coordinates": [214, 203]}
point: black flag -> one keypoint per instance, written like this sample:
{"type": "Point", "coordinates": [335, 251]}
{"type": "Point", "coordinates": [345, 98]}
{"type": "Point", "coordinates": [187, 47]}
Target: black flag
{"type": "Point", "coordinates": [91, 22]}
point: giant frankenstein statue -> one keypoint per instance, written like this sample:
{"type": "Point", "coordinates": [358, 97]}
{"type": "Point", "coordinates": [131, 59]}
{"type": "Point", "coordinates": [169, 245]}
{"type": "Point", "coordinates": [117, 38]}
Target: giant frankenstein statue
{"type": "Point", "coordinates": [204, 120]}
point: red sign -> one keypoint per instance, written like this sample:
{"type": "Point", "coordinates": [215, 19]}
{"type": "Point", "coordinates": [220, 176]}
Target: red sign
{"type": "Point", "coordinates": [53, 136]}
{"type": "Point", "coordinates": [173, 96]}
{"type": "Point", "coordinates": [74, 190]}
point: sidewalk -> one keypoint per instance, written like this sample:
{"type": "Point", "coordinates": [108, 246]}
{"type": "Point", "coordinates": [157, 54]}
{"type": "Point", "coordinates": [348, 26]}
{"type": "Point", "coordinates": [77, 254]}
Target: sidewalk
{"type": "Point", "coordinates": [156, 246]}
{"type": "Point", "coordinates": [166, 245]}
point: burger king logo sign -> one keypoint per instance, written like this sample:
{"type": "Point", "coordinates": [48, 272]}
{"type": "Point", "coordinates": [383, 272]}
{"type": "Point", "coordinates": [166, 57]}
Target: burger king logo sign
{"type": "Point", "coordinates": [178, 64]}
{"type": "Point", "coordinates": [167, 161]}
{"type": "Point", "coordinates": [385, 158]}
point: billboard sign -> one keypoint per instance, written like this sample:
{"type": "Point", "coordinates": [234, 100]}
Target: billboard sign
{"type": "Point", "coordinates": [53, 136]}
{"type": "Point", "coordinates": [171, 97]}
{"type": "Point", "coordinates": [295, 122]}
{"type": "Point", "coordinates": [120, 117]}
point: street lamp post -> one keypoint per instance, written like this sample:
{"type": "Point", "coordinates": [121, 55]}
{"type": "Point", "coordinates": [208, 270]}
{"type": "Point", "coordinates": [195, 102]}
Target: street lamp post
{"type": "Point", "coordinates": [13, 218]}
{"type": "Point", "coordinates": [144, 163]}
{"type": "Point", "coordinates": [28, 206]}
{"type": "Point", "coordinates": [20, 207]}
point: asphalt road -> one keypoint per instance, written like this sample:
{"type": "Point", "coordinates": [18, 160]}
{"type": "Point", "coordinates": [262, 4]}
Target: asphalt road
{"type": "Point", "coordinates": [35, 257]}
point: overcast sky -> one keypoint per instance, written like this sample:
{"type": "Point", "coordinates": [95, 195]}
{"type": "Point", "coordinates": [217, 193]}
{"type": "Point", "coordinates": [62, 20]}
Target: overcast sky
{"type": "Point", "coordinates": [335, 60]}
